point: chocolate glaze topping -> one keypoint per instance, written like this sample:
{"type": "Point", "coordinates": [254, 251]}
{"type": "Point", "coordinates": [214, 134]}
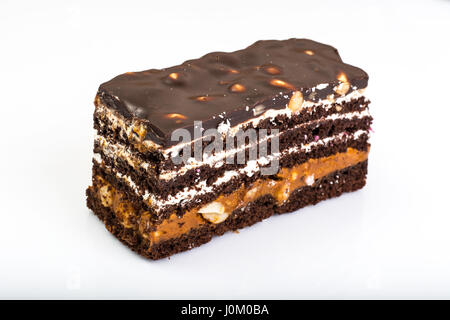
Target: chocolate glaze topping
{"type": "Point", "coordinates": [234, 86]}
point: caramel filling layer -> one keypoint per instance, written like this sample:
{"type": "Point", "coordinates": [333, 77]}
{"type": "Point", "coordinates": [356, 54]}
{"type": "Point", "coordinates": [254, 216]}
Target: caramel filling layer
{"type": "Point", "coordinates": [288, 180]}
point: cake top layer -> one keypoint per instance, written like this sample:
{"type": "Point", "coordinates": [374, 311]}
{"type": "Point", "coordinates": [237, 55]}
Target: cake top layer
{"type": "Point", "coordinates": [223, 85]}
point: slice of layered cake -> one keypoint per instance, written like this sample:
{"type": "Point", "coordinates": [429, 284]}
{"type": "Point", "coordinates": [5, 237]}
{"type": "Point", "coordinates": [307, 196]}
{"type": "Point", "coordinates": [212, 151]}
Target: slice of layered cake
{"type": "Point", "coordinates": [222, 142]}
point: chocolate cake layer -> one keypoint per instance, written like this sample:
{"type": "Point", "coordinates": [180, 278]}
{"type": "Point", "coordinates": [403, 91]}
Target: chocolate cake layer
{"type": "Point", "coordinates": [332, 185]}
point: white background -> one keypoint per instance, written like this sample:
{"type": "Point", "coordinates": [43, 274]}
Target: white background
{"type": "Point", "coordinates": [389, 240]}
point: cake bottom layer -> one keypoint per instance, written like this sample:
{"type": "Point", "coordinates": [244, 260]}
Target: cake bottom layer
{"type": "Point", "coordinates": [332, 185]}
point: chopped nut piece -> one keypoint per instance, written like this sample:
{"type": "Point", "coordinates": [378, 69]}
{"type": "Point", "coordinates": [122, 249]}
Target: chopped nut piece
{"type": "Point", "coordinates": [215, 217]}
{"type": "Point", "coordinates": [294, 176]}
{"type": "Point", "coordinates": [344, 86]}
{"type": "Point", "coordinates": [296, 102]}
{"type": "Point", "coordinates": [250, 194]}
{"type": "Point", "coordinates": [237, 88]}
{"type": "Point", "coordinates": [283, 193]}
{"type": "Point", "coordinates": [281, 83]}
{"type": "Point", "coordinates": [214, 212]}
{"type": "Point", "coordinates": [258, 110]}
{"type": "Point", "coordinates": [309, 180]}
{"type": "Point", "coordinates": [338, 108]}
{"type": "Point", "coordinates": [139, 130]}
{"type": "Point", "coordinates": [106, 196]}
{"type": "Point", "coordinates": [212, 207]}
{"type": "Point", "coordinates": [144, 224]}
{"type": "Point", "coordinates": [309, 52]}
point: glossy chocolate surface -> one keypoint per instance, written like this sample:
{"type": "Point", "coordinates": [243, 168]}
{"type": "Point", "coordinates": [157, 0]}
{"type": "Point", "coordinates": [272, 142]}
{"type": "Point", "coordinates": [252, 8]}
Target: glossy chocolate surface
{"type": "Point", "coordinates": [229, 86]}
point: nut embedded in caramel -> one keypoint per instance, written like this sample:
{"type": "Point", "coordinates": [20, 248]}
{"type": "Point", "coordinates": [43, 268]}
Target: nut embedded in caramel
{"type": "Point", "coordinates": [215, 217]}
{"type": "Point", "coordinates": [283, 192]}
{"type": "Point", "coordinates": [106, 196]}
{"type": "Point", "coordinates": [294, 176]}
{"type": "Point", "coordinates": [250, 194]}
{"type": "Point", "coordinates": [214, 212]}
{"type": "Point", "coordinates": [309, 180]}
